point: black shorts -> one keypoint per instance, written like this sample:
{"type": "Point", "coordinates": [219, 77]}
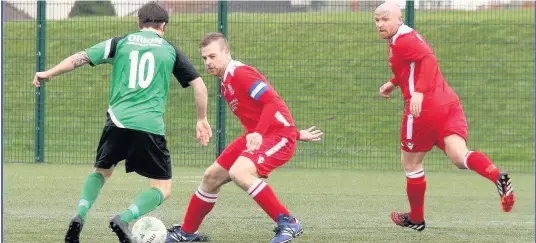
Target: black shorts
{"type": "Point", "coordinates": [145, 153]}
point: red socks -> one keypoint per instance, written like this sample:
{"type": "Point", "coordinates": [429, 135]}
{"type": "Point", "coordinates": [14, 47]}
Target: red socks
{"type": "Point", "coordinates": [200, 205]}
{"type": "Point", "coordinates": [263, 194]}
{"type": "Point", "coordinates": [482, 165]}
{"type": "Point", "coordinates": [416, 182]}
{"type": "Point", "coordinates": [415, 188]}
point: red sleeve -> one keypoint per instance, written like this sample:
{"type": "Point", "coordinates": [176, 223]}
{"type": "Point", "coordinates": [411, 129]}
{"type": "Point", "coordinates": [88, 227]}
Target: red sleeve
{"type": "Point", "coordinates": [260, 91]}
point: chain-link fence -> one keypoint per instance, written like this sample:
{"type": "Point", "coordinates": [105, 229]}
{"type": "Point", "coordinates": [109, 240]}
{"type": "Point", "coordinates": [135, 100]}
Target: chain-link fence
{"type": "Point", "coordinates": [323, 57]}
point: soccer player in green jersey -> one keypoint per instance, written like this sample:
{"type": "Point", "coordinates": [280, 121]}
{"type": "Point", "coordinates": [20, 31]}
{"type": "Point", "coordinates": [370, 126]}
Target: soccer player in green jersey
{"type": "Point", "coordinates": [142, 66]}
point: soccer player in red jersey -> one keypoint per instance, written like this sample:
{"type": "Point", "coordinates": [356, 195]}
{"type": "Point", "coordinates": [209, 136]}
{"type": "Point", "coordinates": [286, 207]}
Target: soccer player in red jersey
{"type": "Point", "coordinates": [269, 142]}
{"type": "Point", "coordinates": [433, 115]}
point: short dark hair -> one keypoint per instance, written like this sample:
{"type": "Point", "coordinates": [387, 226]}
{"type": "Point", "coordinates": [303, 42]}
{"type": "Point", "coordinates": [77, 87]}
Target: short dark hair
{"type": "Point", "coordinates": [152, 15]}
{"type": "Point", "coordinates": [211, 37]}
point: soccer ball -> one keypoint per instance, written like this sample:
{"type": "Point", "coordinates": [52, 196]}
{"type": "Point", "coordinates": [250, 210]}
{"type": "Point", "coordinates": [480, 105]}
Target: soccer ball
{"type": "Point", "coordinates": [149, 230]}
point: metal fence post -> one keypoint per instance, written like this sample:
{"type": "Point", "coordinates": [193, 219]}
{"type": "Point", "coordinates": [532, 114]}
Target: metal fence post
{"type": "Point", "coordinates": [40, 92]}
{"type": "Point", "coordinates": [410, 13]}
{"type": "Point", "coordinates": [534, 126]}
{"type": "Point", "coordinates": [220, 102]}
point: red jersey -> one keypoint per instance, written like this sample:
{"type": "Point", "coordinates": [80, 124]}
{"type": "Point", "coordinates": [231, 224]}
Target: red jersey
{"type": "Point", "coordinates": [416, 69]}
{"type": "Point", "coordinates": [253, 100]}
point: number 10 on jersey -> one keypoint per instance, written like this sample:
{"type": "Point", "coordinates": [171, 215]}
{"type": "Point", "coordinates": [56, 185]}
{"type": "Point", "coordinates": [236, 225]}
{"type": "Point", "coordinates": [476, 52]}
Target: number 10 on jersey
{"type": "Point", "coordinates": [137, 69]}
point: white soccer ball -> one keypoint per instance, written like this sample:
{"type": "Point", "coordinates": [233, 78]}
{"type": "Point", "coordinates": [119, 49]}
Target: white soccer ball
{"type": "Point", "coordinates": [149, 230]}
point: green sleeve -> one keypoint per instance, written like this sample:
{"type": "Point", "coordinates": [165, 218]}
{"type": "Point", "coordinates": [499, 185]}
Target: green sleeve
{"type": "Point", "coordinates": [103, 52]}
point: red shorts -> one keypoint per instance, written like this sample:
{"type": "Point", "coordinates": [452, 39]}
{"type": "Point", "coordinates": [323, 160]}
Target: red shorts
{"type": "Point", "coordinates": [420, 134]}
{"type": "Point", "coordinates": [275, 151]}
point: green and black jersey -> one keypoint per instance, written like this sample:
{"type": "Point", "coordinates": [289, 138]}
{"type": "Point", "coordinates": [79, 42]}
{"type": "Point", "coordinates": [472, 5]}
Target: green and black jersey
{"type": "Point", "coordinates": [142, 66]}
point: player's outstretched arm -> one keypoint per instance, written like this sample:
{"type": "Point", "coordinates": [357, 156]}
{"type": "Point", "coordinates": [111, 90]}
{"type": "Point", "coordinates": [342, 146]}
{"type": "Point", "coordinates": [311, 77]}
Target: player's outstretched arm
{"type": "Point", "coordinates": [311, 134]}
{"type": "Point", "coordinates": [203, 129]}
{"type": "Point", "coordinates": [68, 64]}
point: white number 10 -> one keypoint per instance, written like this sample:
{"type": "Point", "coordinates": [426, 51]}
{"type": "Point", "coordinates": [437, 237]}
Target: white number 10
{"type": "Point", "coordinates": [138, 71]}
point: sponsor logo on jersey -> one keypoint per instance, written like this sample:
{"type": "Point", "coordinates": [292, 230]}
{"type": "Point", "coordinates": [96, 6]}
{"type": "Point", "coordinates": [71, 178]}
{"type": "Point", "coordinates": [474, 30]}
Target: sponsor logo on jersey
{"type": "Point", "coordinates": [144, 41]}
{"type": "Point", "coordinates": [233, 104]}
{"type": "Point", "coordinates": [230, 89]}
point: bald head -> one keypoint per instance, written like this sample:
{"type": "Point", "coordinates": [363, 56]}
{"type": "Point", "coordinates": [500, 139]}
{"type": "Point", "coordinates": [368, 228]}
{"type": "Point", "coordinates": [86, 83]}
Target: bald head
{"type": "Point", "coordinates": [388, 17]}
{"type": "Point", "coordinates": [389, 8]}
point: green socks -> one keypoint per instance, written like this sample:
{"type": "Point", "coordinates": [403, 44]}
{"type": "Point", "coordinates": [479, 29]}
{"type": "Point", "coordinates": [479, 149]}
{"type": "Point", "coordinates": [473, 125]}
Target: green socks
{"type": "Point", "coordinates": [146, 202]}
{"type": "Point", "coordinates": [90, 191]}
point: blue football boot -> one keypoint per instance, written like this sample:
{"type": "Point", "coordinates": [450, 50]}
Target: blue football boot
{"type": "Point", "coordinates": [287, 229]}
{"type": "Point", "coordinates": [176, 234]}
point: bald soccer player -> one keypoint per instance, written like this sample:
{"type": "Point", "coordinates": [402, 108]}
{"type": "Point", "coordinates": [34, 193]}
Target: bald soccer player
{"type": "Point", "coordinates": [433, 116]}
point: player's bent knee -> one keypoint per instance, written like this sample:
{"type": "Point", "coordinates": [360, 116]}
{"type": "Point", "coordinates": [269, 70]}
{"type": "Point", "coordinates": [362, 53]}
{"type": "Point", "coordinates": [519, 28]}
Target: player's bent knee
{"type": "Point", "coordinates": [214, 177]}
{"type": "Point", "coordinates": [211, 181]}
{"type": "Point", "coordinates": [456, 149]}
{"type": "Point", "coordinates": [457, 158]}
